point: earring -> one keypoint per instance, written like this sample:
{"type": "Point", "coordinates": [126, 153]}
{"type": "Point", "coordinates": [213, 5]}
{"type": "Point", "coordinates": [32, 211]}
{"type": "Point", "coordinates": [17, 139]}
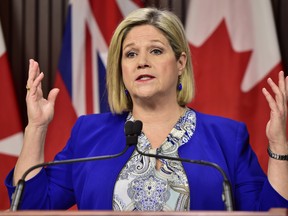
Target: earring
{"type": "Point", "coordinates": [126, 92]}
{"type": "Point", "coordinates": [179, 87]}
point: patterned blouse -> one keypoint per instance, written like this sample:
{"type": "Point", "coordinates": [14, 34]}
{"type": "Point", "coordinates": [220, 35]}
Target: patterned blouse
{"type": "Point", "coordinates": [142, 187]}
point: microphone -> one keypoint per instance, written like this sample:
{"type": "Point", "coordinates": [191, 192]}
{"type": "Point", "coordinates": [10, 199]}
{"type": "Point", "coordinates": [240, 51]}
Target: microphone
{"type": "Point", "coordinates": [227, 192]}
{"type": "Point", "coordinates": [132, 131]}
{"type": "Point", "coordinates": [131, 139]}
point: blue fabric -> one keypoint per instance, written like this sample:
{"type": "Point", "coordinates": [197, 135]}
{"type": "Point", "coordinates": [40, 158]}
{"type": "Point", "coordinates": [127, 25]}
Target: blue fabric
{"type": "Point", "coordinates": [65, 62]}
{"type": "Point", "coordinates": [91, 184]}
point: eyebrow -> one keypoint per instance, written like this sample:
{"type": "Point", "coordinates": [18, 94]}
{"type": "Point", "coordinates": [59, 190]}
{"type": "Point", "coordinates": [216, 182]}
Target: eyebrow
{"type": "Point", "coordinates": [133, 43]}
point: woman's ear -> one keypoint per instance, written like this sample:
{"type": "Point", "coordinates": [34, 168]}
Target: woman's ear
{"type": "Point", "coordinates": [181, 62]}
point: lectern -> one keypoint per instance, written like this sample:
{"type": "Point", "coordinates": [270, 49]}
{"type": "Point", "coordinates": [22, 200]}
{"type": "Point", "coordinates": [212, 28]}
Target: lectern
{"type": "Point", "coordinates": [271, 212]}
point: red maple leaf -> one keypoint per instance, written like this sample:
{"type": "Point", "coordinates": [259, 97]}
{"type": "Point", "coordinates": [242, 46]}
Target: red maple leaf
{"type": "Point", "coordinates": [219, 71]}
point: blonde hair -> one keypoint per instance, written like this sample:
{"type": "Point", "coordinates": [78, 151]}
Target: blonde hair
{"type": "Point", "coordinates": [173, 30]}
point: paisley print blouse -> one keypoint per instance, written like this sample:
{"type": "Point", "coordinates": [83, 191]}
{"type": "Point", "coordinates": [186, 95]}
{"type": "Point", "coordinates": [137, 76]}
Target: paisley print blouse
{"type": "Point", "coordinates": [142, 187]}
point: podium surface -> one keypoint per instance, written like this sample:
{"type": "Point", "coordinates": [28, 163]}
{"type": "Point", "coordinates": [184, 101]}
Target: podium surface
{"type": "Point", "coordinates": [271, 212]}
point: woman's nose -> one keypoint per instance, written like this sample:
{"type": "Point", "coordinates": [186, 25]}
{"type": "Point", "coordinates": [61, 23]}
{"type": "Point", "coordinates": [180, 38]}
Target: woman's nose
{"type": "Point", "coordinates": [142, 66]}
{"type": "Point", "coordinates": [143, 62]}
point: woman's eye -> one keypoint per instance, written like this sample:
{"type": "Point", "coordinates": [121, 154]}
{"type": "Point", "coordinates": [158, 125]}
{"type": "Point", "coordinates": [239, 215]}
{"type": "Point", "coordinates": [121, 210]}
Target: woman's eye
{"type": "Point", "coordinates": [130, 54]}
{"type": "Point", "coordinates": [157, 51]}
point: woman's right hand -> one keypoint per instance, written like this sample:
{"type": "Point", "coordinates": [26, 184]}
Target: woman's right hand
{"type": "Point", "coordinates": [40, 111]}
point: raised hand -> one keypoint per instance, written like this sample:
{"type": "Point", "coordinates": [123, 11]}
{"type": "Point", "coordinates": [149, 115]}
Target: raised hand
{"type": "Point", "coordinates": [40, 110]}
{"type": "Point", "coordinates": [277, 135]}
{"type": "Point", "coordinates": [276, 126]}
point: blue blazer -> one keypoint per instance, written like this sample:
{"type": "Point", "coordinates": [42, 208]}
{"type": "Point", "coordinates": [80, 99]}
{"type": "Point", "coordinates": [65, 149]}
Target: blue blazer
{"type": "Point", "coordinates": [91, 184]}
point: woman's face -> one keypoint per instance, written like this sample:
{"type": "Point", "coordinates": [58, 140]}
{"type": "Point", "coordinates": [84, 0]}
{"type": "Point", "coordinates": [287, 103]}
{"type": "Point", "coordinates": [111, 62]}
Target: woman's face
{"type": "Point", "coordinates": [149, 66]}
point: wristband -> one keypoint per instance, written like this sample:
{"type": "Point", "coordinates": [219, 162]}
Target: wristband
{"type": "Point", "coordinates": [276, 156]}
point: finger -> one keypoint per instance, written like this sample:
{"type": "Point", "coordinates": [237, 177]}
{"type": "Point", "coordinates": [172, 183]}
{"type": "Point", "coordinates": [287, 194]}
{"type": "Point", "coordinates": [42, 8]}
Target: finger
{"type": "Point", "coordinates": [281, 83]}
{"type": "Point", "coordinates": [30, 74]}
{"type": "Point", "coordinates": [282, 87]}
{"type": "Point", "coordinates": [286, 84]}
{"type": "Point", "coordinates": [270, 100]}
{"type": "Point", "coordinates": [279, 96]}
{"type": "Point", "coordinates": [36, 85]}
{"type": "Point", "coordinates": [33, 73]}
{"type": "Point", "coordinates": [36, 67]}
{"type": "Point", "coordinates": [53, 95]}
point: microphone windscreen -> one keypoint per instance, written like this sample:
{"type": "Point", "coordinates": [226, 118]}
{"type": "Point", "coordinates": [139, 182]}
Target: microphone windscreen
{"type": "Point", "coordinates": [138, 127]}
{"type": "Point", "coordinates": [128, 128]}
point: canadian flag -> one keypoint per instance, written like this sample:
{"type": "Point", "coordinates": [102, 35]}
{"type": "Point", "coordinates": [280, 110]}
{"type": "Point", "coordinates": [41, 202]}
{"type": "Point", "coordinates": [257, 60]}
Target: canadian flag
{"type": "Point", "coordinates": [234, 50]}
{"type": "Point", "coordinates": [11, 135]}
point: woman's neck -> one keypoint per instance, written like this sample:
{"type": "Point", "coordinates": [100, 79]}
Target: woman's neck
{"type": "Point", "coordinates": [158, 121]}
{"type": "Point", "coordinates": [157, 113]}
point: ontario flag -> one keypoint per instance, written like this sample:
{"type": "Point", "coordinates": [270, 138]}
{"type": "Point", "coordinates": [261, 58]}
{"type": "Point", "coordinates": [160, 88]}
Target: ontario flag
{"type": "Point", "coordinates": [234, 50]}
{"type": "Point", "coordinates": [82, 66]}
{"type": "Point", "coordinates": [11, 135]}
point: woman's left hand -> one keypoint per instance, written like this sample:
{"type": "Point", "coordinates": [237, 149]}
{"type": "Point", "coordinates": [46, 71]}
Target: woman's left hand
{"type": "Point", "coordinates": [276, 126]}
{"type": "Point", "coordinates": [277, 135]}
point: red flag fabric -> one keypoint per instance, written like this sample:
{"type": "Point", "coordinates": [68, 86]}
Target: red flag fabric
{"type": "Point", "coordinates": [11, 135]}
{"type": "Point", "coordinates": [234, 49]}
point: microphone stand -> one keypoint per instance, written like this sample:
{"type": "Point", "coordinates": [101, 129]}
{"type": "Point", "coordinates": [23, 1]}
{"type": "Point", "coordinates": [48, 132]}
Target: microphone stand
{"type": "Point", "coordinates": [227, 192]}
{"type": "Point", "coordinates": [133, 130]}
{"type": "Point", "coordinates": [16, 198]}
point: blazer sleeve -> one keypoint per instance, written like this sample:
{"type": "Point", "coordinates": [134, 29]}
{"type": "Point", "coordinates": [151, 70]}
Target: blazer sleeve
{"type": "Point", "coordinates": [52, 187]}
{"type": "Point", "coordinates": [252, 189]}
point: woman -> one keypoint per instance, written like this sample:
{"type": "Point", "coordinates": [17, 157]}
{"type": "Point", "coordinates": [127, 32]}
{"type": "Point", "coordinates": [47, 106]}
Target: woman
{"type": "Point", "coordinates": [149, 78]}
